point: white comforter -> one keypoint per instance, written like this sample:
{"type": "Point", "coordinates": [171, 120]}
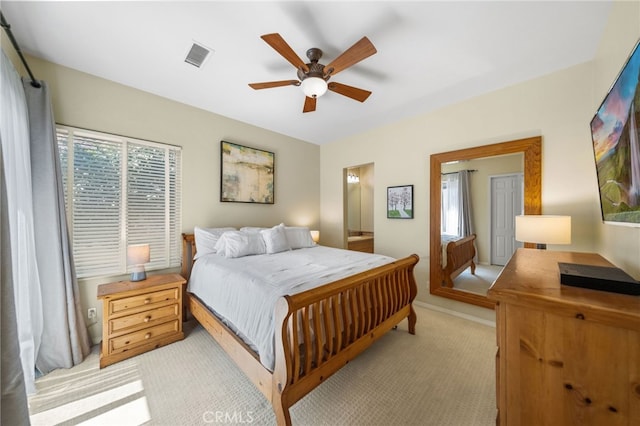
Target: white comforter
{"type": "Point", "coordinates": [243, 291]}
{"type": "Point", "coordinates": [446, 239]}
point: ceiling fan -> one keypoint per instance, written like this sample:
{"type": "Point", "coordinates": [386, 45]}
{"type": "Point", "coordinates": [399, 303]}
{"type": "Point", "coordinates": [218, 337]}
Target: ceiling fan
{"type": "Point", "coordinates": [314, 76]}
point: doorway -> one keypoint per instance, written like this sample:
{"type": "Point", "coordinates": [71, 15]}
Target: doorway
{"type": "Point", "coordinates": [359, 188]}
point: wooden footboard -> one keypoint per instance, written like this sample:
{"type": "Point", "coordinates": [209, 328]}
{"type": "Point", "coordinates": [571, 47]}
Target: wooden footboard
{"type": "Point", "coordinates": [320, 330]}
{"type": "Point", "coordinates": [460, 256]}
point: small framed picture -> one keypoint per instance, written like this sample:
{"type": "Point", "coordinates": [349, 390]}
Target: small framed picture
{"type": "Point", "coordinates": [400, 202]}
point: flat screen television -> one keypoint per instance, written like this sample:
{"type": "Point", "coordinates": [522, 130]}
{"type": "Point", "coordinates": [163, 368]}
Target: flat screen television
{"type": "Point", "coordinates": [616, 146]}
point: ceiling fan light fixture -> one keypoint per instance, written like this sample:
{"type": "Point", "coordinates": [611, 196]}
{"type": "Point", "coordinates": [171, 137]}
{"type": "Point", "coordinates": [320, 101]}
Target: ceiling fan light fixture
{"type": "Point", "coordinates": [314, 87]}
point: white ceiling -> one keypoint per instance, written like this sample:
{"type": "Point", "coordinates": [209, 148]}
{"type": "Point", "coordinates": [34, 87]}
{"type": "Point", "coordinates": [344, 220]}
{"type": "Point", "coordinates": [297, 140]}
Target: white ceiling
{"type": "Point", "coordinates": [430, 54]}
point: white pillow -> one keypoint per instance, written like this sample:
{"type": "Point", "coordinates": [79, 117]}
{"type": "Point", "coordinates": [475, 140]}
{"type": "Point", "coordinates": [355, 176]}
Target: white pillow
{"type": "Point", "coordinates": [299, 237]}
{"type": "Point", "coordinates": [275, 239]}
{"type": "Point", "coordinates": [238, 244]}
{"type": "Point", "coordinates": [254, 229]}
{"type": "Point", "coordinates": [206, 239]}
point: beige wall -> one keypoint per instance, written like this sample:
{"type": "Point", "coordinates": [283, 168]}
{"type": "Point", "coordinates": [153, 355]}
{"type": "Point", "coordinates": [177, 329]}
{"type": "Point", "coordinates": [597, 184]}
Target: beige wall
{"type": "Point", "coordinates": [367, 185]}
{"type": "Point", "coordinates": [5, 43]}
{"type": "Point", "coordinates": [557, 107]}
{"type": "Point", "coordinates": [86, 101]}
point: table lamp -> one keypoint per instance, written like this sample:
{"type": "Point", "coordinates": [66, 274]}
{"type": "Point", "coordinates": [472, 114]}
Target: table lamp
{"type": "Point", "coordinates": [137, 256]}
{"type": "Point", "coordinates": [543, 230]}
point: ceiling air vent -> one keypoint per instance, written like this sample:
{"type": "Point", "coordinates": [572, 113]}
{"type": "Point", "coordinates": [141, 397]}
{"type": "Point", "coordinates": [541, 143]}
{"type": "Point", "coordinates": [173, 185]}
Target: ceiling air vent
{"type": "Point", "coordinates": [197, 55]}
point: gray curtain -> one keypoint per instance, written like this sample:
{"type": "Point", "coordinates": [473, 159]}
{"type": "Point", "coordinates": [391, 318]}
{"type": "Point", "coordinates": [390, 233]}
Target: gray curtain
{"type": "Point", "coordinates": [15, 410]}
{"type": "Point", "coordinates": [65, 340]}
{"type": "Point", "coordinates": [465, 212]}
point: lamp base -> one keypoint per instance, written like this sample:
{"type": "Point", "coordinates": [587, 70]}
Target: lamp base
{"type": "Point", "coordinates": [138, 274]}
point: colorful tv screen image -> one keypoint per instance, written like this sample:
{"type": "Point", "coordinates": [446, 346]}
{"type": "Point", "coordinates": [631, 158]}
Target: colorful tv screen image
{"type": "Point", "coordinates": [616, 146]}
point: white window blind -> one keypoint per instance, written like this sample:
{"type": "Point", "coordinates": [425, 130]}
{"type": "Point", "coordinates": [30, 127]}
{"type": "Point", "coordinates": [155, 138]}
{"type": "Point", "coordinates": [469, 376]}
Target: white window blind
{"type": "Point", "coordinates": [120, 191]}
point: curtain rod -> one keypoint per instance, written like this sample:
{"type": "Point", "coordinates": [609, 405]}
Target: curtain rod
{"type": "Point", "coordinates": [468, 170]}
{"type": "Point", "coordinates": [7, 29]}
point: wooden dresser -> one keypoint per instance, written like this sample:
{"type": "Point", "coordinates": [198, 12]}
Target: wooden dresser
{"type": "Point", "coordinates": [566, 355]}
{"type": "Point", "coordinates": [140, 316]}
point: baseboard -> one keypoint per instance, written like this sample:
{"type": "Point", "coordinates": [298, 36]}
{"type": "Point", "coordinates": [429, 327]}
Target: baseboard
{"type": "Point", "coordinates": [455, 313]}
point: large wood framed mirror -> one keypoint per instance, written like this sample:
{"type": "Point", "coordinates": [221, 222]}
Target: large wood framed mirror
{"type": "Point", "coordinates": [531, 151]}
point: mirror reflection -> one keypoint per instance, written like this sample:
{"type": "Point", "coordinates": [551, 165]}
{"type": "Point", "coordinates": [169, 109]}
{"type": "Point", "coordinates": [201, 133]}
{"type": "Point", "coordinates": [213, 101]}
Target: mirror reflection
{"type": "Point", "coordinates": [479, 201]}
{"type": "Point", "coordinates": [499, 181]}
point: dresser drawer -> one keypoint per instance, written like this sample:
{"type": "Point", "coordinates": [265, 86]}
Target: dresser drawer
{"type": "Point", "coordinates": [137, 338]}
{"type": "Point", "coordinates": [164, 313]}
{"type": "Point", "coordinates": [140, 301]}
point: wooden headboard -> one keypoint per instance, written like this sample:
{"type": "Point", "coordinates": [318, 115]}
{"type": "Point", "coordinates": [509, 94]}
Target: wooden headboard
{"type": "Point", "coordinates": [188, 253]}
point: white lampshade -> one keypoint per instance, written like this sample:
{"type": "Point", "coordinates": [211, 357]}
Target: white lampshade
{"type": "Point", "coordinates": [315, 235]}
{"type": "Point", "coordinates": [314, 87]}
{"type": "Point", "coordinates": [543, 229]}
{"type": "Point", "coordinates": [137, 256]}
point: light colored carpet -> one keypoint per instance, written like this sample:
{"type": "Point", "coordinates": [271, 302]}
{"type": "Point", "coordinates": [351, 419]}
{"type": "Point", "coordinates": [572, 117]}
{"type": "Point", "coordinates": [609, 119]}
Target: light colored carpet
{"type": "Point", "coordinates": [480, 282]}
{"type": "Point", "coordinates": [444, 375]}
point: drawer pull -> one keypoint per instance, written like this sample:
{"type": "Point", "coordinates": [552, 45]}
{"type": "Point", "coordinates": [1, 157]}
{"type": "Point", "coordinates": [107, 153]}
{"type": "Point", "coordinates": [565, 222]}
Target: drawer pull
{"type": "Point", "coordinates": [146, 336]}
{"type": "Point", "coordinates": [147, 301]}
{"type": "Point", "coordinates": [147, 318]}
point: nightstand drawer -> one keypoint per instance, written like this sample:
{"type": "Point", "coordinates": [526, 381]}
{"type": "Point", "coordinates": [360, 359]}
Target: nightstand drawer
{"type": "Point", "coordinates": [145, 318]}
{"type": "Point", "coordinates": [131, 340]}
{"type": "Point", "coordinates": [130, 303]}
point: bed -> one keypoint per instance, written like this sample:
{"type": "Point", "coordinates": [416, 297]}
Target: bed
{"type": "Point", "coordinates": [316, 331]}
{"type": "Point", "coordinates": [457, 255]}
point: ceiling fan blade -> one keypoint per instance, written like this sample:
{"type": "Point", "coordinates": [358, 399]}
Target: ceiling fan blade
{"type": "Point", "coordinates": [277, 42]}
{"type": "Point", "coordinates": [309, 104]}
{"type": "Point", "coordinates": [359, 51]}
{"type": "Point", "coordinates": [270, 84]}
{"type": "Point", "coordinates": [349, 91]}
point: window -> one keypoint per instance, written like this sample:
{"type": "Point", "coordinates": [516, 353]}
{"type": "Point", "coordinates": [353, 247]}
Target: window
{"type": "Point", "coordinates": [450, 205]}
{"type": "Point", "coordinates": [120, 191]}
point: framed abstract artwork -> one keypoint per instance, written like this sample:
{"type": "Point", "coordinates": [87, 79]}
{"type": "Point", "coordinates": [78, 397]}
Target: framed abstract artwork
{"type": "Point", "coordinates": [246, 174]}
{"type": "Point", "coordinates": [400, 202]}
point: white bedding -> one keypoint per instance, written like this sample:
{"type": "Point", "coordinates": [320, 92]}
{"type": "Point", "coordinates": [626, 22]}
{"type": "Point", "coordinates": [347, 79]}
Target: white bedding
{"type": "Point", "coordinates": [446, 239]}
{"type": "Point", "coordinates": [243, 291]}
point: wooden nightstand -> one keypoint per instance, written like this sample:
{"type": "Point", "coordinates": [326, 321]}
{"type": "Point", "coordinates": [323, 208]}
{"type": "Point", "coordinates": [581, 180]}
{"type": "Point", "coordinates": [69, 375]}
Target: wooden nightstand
{"type": "Point", "coordinates": [140, 316]}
